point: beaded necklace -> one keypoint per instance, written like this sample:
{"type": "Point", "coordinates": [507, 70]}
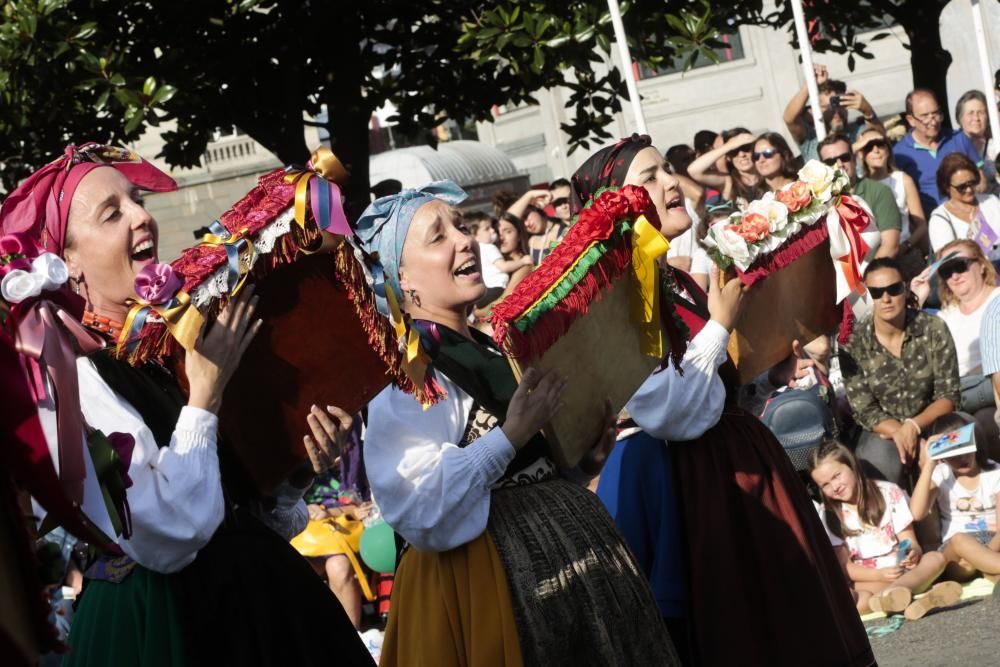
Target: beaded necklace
{"type": "Point", "coordinates": [101, 324]}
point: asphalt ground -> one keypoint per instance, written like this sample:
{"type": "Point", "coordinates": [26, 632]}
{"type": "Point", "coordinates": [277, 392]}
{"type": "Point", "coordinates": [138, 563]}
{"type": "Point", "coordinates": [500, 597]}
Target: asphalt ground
{"type": "Point", "coordinates": [967, 634]}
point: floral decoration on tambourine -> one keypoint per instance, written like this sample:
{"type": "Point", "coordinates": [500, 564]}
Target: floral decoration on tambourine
{"type": "Point", "coordinates": [160, 297]}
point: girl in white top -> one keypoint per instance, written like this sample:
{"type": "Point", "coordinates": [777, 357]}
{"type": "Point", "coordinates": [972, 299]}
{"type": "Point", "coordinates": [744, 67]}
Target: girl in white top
{"type": "Point", "coordinates": [873, 519]}
{"type": "Point", "coordinates": [965, 488]}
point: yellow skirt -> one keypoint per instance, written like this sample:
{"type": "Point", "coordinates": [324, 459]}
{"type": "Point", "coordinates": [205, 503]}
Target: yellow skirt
{"type": "Point", "coordinates": [451, 609]}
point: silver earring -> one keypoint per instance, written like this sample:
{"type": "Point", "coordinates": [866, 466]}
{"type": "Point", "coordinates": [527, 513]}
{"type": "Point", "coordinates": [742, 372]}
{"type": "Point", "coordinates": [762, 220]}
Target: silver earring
{"type": "Point", "coordinates": [414, 298]}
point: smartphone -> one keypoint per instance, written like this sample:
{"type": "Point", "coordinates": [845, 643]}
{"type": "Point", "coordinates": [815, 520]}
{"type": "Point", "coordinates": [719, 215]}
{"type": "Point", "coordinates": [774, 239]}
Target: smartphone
{"type": "Point", "coordinates": [904, 551]}
{"type": "Point", "coordinates": [834, 101]}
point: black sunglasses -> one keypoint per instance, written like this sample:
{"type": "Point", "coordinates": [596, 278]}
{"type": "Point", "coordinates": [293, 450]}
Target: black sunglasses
{"type": "Point", "coordinates": [894, 289]}
{"type": "Point", "coordinates": [767, 154]}
{"type": "Point", "coordinates": [561, 201]}
{"type": "Point", "coordinates": [968, 186]}
{"type": "Point", "coordinates": [872, 145]}
{"type": "Point", "coordinates": [843, 157]}
{"type": "Point", "coordinates": [953, 266]}
{"type": "Point", "coordinates": [745, 148]}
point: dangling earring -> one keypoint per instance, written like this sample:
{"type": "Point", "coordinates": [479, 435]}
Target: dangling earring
{"type": "Point", "coordinates": [414, 298]}
{"type": "Point", "coordinates": [75, 285]}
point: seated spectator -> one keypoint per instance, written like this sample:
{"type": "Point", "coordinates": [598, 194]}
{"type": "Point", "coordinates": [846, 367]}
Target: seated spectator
{"type": "Point", "coordinates": [872, 519]}
{"type": "Point", "coordinates": [875, 154]}
{"type": "Point", "coordinates": [774, 161]}
{"type": "Point", "coordinates": [561, 191]}
{"type": "Point", "coordinates": [900, 371]}
{"type": "Point", "coordinates": [967, 286]}
{"type": "Point", "coordinates": [740, 179]}
{"type": "Point", "coordinates": [834, 103]}
{"type": "Point", "coordinates": [543, 231]}
{"type": "Point", "coordinates": [704, 141]}
{"type": "Point", "coordinates": [496, 269]}
{"type": "Point", "coordinates": [927, 144]}
{"type": "Point", "coordinates": [514, 248]}
{"type": "Point", "coordinates": [965, 490]}
{"type": "Point", "coordinates": [989, 351]}
{"type": "Point", "coordinates": [963, 212]}
{"type": "Point", "coordinates": [835, 151]}
{"type": "Point", "coordinates": [972, 116]}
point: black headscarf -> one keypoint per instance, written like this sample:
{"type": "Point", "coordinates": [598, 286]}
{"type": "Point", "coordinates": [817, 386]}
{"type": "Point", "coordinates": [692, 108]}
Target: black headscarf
{"type": "Point", "coordinates": [606, 168]}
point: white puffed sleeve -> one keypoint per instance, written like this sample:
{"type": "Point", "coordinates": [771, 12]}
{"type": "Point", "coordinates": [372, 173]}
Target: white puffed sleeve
{"type": "Point", "coordinates": [290, 514]}
{"type": "Point", "coordinates": [431, 491]}
{"type": "Point", "coordinates": [678, 407]}
{"type": "Point", "coordinates": [176, 494]}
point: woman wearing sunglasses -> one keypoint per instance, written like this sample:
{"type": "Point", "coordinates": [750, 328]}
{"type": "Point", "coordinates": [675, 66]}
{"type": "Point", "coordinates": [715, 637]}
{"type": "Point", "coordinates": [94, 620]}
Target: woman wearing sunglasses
{"type": "Point", "coordinates": [875, 151]}
{"type": "Point", "coordinates": [774, 161]}
{"type": "Point", "coordinates": [957, 178]}
{"type": "Point", "coordinates": [741, 180]}
{"type": "Point", "coordinates": [968, 284]}
{"type": "Point", "coordinates": [901, 373]}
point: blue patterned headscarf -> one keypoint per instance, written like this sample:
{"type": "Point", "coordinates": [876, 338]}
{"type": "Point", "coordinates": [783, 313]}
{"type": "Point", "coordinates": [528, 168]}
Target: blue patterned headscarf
{"type": "Point", "coordinates": [382, 229]}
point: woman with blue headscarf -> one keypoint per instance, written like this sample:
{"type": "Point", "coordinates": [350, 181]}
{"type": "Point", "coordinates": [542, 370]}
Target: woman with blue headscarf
{"type": "Point", "coordinates": [510, 563]}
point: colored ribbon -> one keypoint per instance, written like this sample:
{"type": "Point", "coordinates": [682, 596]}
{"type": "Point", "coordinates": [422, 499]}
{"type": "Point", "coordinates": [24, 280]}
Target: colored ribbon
{"type": "Point", "coordinates": [112, 457]}
{"type": "Point", "coordinates": [846, 223]}
{"type": "Point", "coordinates": [414, 360]}
{"type": "Point", "coordinates": [322, 193]}
{"type": "Point", "coordinates": [648, 245]}
{"type": "Point", "coordinates": [181, 317]}
{"type": "Point", "coordinates": [234, 243]}
{"type": "Point", "coordinates": [45, 336]}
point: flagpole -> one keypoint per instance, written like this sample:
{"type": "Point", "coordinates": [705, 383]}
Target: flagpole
{"type": "Point", "coordinates": [805, 49]}
{"type": "Point", "coordinates": [629, 74]}
{"type": "Point", "coordinates": [985, 67]}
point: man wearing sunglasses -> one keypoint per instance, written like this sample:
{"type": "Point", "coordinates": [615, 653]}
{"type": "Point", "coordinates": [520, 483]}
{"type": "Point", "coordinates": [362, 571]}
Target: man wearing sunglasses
{"type": "Point", "coordinates": [835, 151]}
{"type": "Point", "coordinates": [921, 151]}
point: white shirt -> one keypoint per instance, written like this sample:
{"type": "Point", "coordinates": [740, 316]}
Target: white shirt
{"type": "Point", "coordinates": [431, 491]}
{"type": "Point", "coordinates": [489, 255]}
{"type": "Point", "coordinates": [686, 245]}
{"type": "Point", "coordinates": [963, 510]}
{"type": "Point", "coordinates": [965, 332]}
{"type": "Point", "coordinates": [894, 182]}
{"type": "Point", "coordinates": [176, 494]}
{"type": "Point", "coordinates": [943, 227]}
{"type": "Point", "coordinates": [875, 546]}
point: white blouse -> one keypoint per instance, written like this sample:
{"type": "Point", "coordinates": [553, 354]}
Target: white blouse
{"type": "Point", "coordinates": [176, 494]}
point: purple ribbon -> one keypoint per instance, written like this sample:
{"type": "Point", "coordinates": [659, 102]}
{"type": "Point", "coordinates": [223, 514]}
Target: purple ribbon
{"type": "Point", "coordinates": [157, 283]}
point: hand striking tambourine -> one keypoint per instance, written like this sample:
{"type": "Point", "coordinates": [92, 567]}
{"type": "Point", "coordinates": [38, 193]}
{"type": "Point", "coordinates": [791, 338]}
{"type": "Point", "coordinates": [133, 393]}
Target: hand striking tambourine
{"type": "Point", "coordinates": [592, 311]}
{"type": "Point", "coordinates": [316, 346]}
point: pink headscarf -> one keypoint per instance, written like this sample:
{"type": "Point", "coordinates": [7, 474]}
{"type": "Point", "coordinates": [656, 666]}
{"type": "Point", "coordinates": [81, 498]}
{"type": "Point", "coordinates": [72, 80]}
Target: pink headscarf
{"type": "Point", "coordinates": [40, 205]}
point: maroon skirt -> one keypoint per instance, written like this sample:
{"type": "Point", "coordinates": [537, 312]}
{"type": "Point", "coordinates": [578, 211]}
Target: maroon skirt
{"type": "Point", "coordinates": [765, 585]}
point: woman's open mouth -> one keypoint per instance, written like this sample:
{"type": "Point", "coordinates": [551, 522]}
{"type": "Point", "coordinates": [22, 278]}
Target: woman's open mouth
{"type": "Point", "coordinates": [469, 269]}
{"type": "Point", "coordinates": [144, 251]}
{"type": "Point", "coordinates": [677, 203]}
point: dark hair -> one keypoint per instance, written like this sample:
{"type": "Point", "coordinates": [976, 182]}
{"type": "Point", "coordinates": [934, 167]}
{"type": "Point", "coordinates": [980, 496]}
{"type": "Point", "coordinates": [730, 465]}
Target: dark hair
{"type": "Point", "coordinates": [965, 99]}
{"type": "Point", "coordinates": [913, 93]}
{"type": "Point", "coordinates": [714, 212]}
{"type": "Point", "coordinates": [996, 79]}
{"type": "Point", "coordinates": [890, 163]}
{"type": "Point", "coordinates": [502, 200]}
{"type": "Point", "coordinates": [679, 157]}
{"type": "Point", "coordinates": [833, 86]}
{"type": "Point", "coordinates": [788, 169]}
{"type": "Point", "coordinates": [518, 224]}
{"type": "Point", "coordinates": [956, 420]}
{"type": "Point", "coordinates": [871, 504]}
{"type": "Point", "coordinates": [832, 139]}
{"type": "Point", "coordinates": [703, 140]}
{"type": "Point", "coordinates": [477, 218]}
{"type": "Point", "coordinates": [560, 183]}
{"type": "Point", "coordinates": [952, 163]}
{"type": "Point", "coordinates": [740, 189]}
{"type": "Point", "coordinates": [883, 263]}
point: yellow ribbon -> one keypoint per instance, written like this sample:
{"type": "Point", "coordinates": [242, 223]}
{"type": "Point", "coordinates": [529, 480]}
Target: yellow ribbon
{"type": "Point", "coordinates": [414, 360]}
{"type": "Point", "coordinates": [232, 241]}
{"type": "Point", "coordinates": [182, 319]}
{"type": "Point", "coordinates": [648, 245]}
{"type": "Point", "coordinates": [324, 163]}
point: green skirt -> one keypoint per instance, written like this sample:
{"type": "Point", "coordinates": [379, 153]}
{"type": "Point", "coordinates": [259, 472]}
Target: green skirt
{"type": "Point", "coordinates": [134, 622]}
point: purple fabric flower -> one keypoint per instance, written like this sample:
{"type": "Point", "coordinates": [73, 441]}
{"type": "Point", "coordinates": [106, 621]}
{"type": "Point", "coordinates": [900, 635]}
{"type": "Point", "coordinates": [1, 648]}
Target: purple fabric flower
{"type": "Point", "coordinates": [157, 283]}
{"type": "Point", "coordinates": [123, 444]}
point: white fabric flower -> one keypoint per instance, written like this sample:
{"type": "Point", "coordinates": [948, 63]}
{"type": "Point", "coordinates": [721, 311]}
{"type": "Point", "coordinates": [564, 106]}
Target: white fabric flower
{"type": "Point", "coordinates": [731, 245]}
{"type": "Point", "coordinates": [820, 179]}
{"type": "Point", "coordinates": [19, 285]}
{"type": "Point", "coordinates": [772, 210]}
{"type": "Point", "coordinates": [52, 270]}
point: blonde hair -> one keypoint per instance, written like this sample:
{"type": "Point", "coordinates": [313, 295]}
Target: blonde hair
{"type": "Point", "coordinates": [948, 297]}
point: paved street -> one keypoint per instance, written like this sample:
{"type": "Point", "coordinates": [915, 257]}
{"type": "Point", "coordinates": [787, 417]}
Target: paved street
{"type": "Point", "coordinates": [965, 635]}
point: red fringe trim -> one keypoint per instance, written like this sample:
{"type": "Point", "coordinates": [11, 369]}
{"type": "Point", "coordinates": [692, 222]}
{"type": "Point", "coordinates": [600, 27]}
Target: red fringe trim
{"type": "Point", "coordinates": [799, 244]}
{"type": "Point", "coordinates": [847, 321]}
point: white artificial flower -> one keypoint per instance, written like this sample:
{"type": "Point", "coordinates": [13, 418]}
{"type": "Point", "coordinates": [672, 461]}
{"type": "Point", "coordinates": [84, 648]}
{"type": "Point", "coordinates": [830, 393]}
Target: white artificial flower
{"type": "Point", "coordinates": [772, 210]}
{"type": "Point", "coordinates": [19, 285]}
{"type": "Point", "coordinates": [52, 269]}
{"type": "Point", "coordinates": [731, 245]}
{"type": "Point", "coordinates": [820, 179]}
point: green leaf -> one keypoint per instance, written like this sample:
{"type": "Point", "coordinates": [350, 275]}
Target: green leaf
{"type": "Point", "coordinates": [538, 62]}
{"type": "Point", "coordinates": [134, 121]}
{"type": "Point", "coordinates": [102, 100]}
{"type": "Point", "coordinates": [163, 94]}
{"type": "Point", "coordinates": [149, 86]}
{"type": "Point", "coordinates": [85, 31]}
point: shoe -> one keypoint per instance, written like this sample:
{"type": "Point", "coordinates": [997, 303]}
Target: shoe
{"type": "Point", "coordinates": [944, 594]}
{"type": "Point", "coordinates": [891, 600]}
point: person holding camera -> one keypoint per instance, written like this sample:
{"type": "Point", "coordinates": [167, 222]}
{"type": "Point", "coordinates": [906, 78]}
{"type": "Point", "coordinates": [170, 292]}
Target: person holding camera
{"type": "Point", "coordinates": [835, 101]}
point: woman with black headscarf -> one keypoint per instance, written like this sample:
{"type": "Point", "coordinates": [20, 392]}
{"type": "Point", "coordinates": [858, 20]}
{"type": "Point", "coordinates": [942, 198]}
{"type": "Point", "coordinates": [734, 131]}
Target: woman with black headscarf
{"type": "Point", "coordinates": [718, 519]}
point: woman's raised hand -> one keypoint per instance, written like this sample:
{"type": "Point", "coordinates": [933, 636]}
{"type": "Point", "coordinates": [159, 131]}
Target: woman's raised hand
{"type": "Point", "coordinates": [739, 140]}
{"type": "Point", "coordinates": [329, 432]}
{"type": "Point", "coordinates": [921, 286]}
{"type": "Point", "coordinates": [725, 304]}
{"type": "Point", "coordinates": [536, 401]}
{"type": "Point", "coordinates": [217, 352]}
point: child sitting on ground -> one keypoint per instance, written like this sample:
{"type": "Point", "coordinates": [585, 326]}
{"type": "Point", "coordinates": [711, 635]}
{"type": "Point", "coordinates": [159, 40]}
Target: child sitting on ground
{"type": "Point", "coordinates": [966, 488]}
{"type": "Point", "coordinates": [872, 518]}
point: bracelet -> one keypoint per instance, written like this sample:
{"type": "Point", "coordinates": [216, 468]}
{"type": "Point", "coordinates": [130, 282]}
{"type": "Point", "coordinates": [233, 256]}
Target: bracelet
{"type": "Point", "coordinates": [910, 420]}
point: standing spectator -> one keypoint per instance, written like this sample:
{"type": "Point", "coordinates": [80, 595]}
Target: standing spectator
{"type": "Point", "coordinates": [922, 150]}
{"type": "Point", "coordinates": [545, 232]}
{"type": "Point", "coordinates": [835, 151]}
{"type": "Point", "coordinates": [875, 153]}
{"type": "Point", "coordinates": [774, 161]}
{"type": "Point", "coordinates": [704, 141]}
{"type": "Point", "coordinates": [560, 190]}
{"type": "Point", "coordinates": [740, 179]}
{"type": "Point", "coordinates": [901, 373]}
{"type": "Point", "coordinates": [972, 116]}
{"type": "Point", "coordinates": [963, 207]}
{"type": "Point", "coordinates": [834, 101]}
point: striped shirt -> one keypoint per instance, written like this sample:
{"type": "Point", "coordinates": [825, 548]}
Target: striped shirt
{"type": "Point", "coordinates": [989, 338]}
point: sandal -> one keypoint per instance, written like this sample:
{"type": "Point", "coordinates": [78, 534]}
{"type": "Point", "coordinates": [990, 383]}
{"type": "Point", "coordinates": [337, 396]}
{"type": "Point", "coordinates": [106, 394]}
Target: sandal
{"type": "Point", "coordinates": [891, 600]}
{"type": "Point", "coordinates": [944, 594]}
